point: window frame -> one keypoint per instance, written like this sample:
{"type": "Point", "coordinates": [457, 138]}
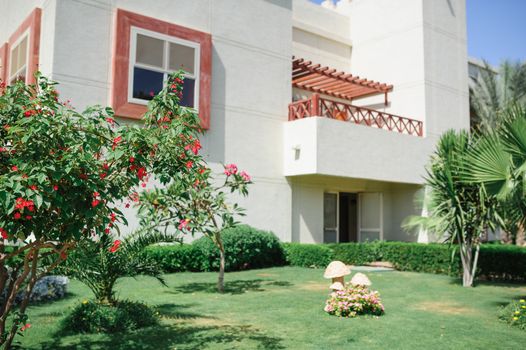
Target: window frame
{"type": "Point", "coordinates": [3, 62]}
{"type": "Point", "coordinates": [167, 39]}
{"type": "Point", "coordinates": [120, 74]}
{"type": "Point", "coordinates": [31, 26]}
{"type": "Point", "coordinates": [25, 34]}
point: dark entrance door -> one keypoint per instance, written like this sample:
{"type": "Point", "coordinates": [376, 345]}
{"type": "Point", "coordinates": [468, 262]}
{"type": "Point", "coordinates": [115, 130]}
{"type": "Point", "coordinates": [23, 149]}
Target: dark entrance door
{"type": "Point", "coordinates": [348, 225]}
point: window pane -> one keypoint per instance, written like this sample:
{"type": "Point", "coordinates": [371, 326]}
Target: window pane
{"type": "Point", "coordinates": [149, 51]}
{"type": "Point", "coordinates": [369, 236]}
{"type": "Point", "coordinates": [20, 76]}
{"type": "Point", "coordinates": [18, 57]}
{"type": "Point", "coordinates": [188, 93]}
{"type": "Point", "coordinates": [146, 83]}
{"type": "Point", "coordinates": [182, 57]}
{"type": "Point", "coordinates": [14, 60]}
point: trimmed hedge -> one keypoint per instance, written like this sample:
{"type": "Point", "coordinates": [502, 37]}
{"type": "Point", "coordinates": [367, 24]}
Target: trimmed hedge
{"type": "Point", "coordinates": [249, 248]}
{"type": "Point", "coordinates": [308, 255]}
{"type": "Point", "coordinates": [245, 248]}
{"type": "Point", "coordinates": [175, 258]}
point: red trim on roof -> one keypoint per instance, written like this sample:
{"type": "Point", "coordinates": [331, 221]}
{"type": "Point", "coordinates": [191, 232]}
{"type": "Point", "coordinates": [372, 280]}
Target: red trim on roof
{"type": "Point", "coordinates": [313, 77]}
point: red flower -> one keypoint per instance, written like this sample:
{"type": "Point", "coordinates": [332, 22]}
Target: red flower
{"type": "Point", "coordinates": [115, 246]}
{"type": "Point", "coordinates": [26, 326]}
{"type": "Point", "coordinates": [189, 164]}
{"type": "Point", "coordinates": [105, 166]}
{"type": "Point", "coordinates": [116, 141]}
{"type": "Point", "coordinates": [3, 233]}
{"type": "Point", "coordinates": [102, 176]}
{"type": "Point", "coordinates": [132, 159]}
{"type": "Point", "coordinates": [95, 202]}
{"type": "Point", "coordinates": [14, 168]}
{"type": "Point", "coordinates": [96, 194]}
{"type": "Point", "coordinates": [202, 170]}
{"type": "Point", "coordinates": [110, 121]}
{"type": "Point", "coordinates": [28, 217]}
{"type": "Point", "coordinates": [107, 231]}
{"type": "Point", "coordinates": [141, 173]}
{"type": "Point", "coordinates": [17, 216]}
{"type": "Point", "coordinates": [55, 188]}
{"type": "Point", "coordinates": [27, 114]}
{"type": "Point", "coordinates": [33, 187]}
{"type": "Point", "coordinates": [143, 184]}
{"type": "Point", "coordinates": [127, 205]}
{"type": "Point", "coordinates": [113, 217]}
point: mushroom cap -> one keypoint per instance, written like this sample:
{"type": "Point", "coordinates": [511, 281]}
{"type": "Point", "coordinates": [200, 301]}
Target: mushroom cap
{"type": "Point", "coordinates": [337, 286]}
{"type": "Point", "coordinates": [336, 269]}
{"type": "Point", "coordinates": [360, 280]}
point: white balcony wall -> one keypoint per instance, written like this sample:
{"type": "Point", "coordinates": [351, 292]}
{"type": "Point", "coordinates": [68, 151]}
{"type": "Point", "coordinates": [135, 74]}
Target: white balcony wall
{"type": "Point", "coordinates": [319, 145]}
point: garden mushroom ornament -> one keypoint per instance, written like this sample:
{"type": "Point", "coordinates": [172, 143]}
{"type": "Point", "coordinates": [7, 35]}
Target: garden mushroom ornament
{"type": "Point", "coordinates": [336, 271]}
{"type": "Point", "coordinates": [360, 280]}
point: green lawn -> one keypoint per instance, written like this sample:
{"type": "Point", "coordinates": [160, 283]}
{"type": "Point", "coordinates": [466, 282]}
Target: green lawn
{"type": "Point", "coordinates": [282, 308]}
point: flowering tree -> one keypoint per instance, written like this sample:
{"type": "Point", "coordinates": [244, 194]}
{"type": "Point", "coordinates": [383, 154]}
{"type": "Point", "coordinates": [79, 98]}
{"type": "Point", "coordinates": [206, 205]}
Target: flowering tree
{"type": "Point", "coordinates": [200, 208]}
{"type": "Point", "coordinates": [63, 173]}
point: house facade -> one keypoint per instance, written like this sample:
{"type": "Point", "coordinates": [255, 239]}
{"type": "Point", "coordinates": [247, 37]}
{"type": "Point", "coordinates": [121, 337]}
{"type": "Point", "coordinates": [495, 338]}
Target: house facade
{"type": "Point", "coordinates": [333, 110]}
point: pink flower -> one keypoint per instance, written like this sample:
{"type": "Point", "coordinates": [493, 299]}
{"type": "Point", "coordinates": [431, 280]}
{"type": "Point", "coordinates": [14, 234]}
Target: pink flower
{"type": "Point", "coordinates": [245, 176]}
{"type": "Point", "coordinates": [183, 223]}
{"type": "Point", "coordinates": [26, 326]}
{"type": "Point", "coordinates": [230, 169]}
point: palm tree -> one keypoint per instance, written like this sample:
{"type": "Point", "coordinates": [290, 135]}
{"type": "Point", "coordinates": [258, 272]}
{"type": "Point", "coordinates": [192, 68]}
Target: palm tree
{"type": "Point", "coordinates": [458, 211]}
{"type": "Point", "coordinates": [498, 161]}
{"type": "Point", "coordinates": [492, 91]}
{"type": "Point", "coordinates": [100, 263]}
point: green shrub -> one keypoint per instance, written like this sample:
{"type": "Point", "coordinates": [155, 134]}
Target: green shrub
{"type": "Point", "coordinates": [514, 314]}
{"type": "Point", "coordinates": [502, 262]}
{"type": "Point", "coordinates": [245, 248]}
{"type": "Point", "coordinates": [418, 257]}
{"type": "Point", "coordinates": [308, 255]}
{"type": "Point", "coordinates": [93, 317]}
{"type": "Point", "coordinates": [355, 253]}
{"type": "Point", "coordinates": [175, 258]}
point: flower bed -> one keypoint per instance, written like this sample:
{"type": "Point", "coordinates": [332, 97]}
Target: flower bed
{"type": "Point", "coordinates": [354, 301]}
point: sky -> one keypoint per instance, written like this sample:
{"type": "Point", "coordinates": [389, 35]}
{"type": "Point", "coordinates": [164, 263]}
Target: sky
{"type": "Point", "coordinates": [496, 29]}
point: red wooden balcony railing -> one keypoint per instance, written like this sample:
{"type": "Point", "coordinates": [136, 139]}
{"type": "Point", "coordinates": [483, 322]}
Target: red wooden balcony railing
{"type": "Point", "coordinates": [321, 107]}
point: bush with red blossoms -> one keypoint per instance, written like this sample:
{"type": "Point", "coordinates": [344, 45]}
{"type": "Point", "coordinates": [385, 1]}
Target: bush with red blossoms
{"type": "Point", "coordinates": [62, 173]}
{"type": "Point", "coordinates": [200, 208]}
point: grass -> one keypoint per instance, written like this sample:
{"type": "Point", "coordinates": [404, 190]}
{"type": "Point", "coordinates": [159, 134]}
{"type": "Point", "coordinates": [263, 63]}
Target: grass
{"type": "Point", "coordinates": [282, 308]}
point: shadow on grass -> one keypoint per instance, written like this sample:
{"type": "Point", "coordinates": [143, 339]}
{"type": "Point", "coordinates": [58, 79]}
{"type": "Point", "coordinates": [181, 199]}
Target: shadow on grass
{"type": "Point", "coordinates": [179, 312]}
{"type": "Point", "coordinates": [493, 283]}
{"type": "Point", "coordinates": [231, 287]}
{"type": "Point", "coordinates": [187, 336]}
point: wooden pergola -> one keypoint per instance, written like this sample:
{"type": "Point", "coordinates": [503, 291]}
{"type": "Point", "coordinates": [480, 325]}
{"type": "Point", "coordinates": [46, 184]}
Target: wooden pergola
{"type": "Point", "coordinates": [325, 80]}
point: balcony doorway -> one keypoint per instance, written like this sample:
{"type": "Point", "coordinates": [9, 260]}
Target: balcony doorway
{"type": "Point", "coordinates": [340, 217]}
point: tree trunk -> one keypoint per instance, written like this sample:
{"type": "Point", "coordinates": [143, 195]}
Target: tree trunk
{"type": "Point", "coordinates": [221, 277]}
{"type": "Point", "coordinates": [469, 262]}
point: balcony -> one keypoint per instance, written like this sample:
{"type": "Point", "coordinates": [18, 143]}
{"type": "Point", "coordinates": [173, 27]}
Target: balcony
{"type": "Point", "coordinates": [317, 106]}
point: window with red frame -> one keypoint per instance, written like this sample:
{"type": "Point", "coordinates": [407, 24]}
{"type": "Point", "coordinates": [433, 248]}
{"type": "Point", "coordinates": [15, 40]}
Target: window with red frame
{"type": "Point", "coordinates": [146, 50]}
{"type": "Point", "coordinates": [153, 57]}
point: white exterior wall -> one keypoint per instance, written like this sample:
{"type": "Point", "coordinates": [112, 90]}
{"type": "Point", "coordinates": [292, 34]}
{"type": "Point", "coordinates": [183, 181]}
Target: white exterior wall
{"type": "Point", "coordinates": [406, 43]}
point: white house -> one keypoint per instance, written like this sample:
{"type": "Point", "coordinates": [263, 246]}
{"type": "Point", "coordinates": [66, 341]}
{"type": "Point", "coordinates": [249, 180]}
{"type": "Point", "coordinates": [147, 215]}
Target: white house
{"type": "Point", "coordinates": [334, 110]}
